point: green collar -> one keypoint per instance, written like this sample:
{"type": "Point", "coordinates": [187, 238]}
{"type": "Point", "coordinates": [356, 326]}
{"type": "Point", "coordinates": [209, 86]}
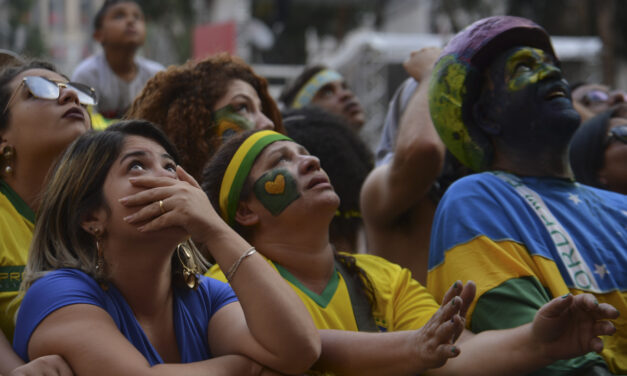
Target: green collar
{"type": "Point", "coordinates": [17, 202]}
{"type": "Point", "coordinates": [323, 299]}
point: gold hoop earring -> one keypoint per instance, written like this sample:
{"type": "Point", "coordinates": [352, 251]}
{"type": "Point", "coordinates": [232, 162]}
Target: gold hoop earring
{"type": "Point", "coordinates": [7, 154]}
{"type": "Point", "coordinates": [189, 274]}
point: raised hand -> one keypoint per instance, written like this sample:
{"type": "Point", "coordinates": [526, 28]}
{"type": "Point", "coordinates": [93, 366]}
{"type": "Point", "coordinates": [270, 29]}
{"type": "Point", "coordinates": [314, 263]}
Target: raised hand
{"type": "Point", "coordinates": [570, 326]}
{"type": "Point", "coordinates": [168, 202]}
{"type": "Point", "coordinates": [421, 62]}
{"type": "Point", "coordinates": [436, 339]}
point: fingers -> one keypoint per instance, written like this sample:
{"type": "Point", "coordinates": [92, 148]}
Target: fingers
{"type": "Point", "coordinates": [454, 290]}
{"type": "Point", "coordinates": [148, 196]}
{"type": "Point", "coordinates": [184, 176]}
{"type": "Point", "coordinates": [149, 181]}
{"type": "Point", "coordinates": [603, 328]}
{"type": "Point", "coordinates": [596, 344]}
{"type": "Point", "coordinates": [589, 303]}
{"type": "Point", "coordinates": [556, 307]}
{"type": "Point", "coordinates": [148, 212]}
{"type": "Point", "coordinates": [468, 295]}
{"type": "Point", "coordinates": [45, 365]}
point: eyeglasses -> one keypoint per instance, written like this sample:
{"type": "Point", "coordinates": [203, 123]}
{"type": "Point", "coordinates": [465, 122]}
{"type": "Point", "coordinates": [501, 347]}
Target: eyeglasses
{"type": "Point", "coordinates": [617, 133]}
{"type": "Point", "coordinates": [44, 88]}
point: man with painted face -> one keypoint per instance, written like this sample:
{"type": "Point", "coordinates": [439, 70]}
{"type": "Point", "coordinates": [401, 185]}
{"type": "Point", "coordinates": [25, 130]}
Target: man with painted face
{"type": "Point", "coordinates": [522, 228]}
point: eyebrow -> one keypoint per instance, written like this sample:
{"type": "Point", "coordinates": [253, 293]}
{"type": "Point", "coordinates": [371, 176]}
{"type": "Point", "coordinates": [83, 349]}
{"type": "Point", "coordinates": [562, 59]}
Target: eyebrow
{"type": "Point", "coordinates": [141, 153]}
{"type": "Point", "coordinates": [249, 99]}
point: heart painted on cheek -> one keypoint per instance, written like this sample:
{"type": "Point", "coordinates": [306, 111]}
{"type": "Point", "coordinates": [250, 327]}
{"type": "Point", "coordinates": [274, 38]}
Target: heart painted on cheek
{"type": "Point", "coordinates": [277, 186]}
{"type": "Point", "coordinates": [276, 190]}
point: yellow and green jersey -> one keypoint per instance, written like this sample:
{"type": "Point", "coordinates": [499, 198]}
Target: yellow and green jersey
{"type": "Point", "coordinates": [401, 302]}
{"type": "Point", "coordinates": [486, 231]}
{"type": "Point", "coordinates": [16, 232]}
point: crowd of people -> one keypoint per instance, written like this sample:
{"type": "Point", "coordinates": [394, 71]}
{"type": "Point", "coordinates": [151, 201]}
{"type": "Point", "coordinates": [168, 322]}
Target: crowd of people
{"type": "Point", "coordinates": [180, 220]}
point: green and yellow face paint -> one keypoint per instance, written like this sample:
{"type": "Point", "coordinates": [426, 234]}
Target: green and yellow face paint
{"type": "Point", "coordinates": [276, 190]}
{"type": "Point", "coordinates": [527, 66]}
{"type": "Point", "coordinates": [239, 168]}
{"type": "Point", "coordinates": [229, 122]}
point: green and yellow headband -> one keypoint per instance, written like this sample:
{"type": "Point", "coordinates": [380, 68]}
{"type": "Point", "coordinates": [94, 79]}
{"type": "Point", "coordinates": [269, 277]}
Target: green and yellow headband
{"type": "Point", "coordinates": [307, 92]}
{"type": "Point", "coordinates": [239, 168]}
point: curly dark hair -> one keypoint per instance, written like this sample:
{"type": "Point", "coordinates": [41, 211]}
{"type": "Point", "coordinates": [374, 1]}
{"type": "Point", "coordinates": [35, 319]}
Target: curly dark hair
{"type": "Point", "coordinates": [212, 180]}
{"type": "Point", "coordinates": [343, 155]}
{"type": "Point", "coordinates": [181, 98]}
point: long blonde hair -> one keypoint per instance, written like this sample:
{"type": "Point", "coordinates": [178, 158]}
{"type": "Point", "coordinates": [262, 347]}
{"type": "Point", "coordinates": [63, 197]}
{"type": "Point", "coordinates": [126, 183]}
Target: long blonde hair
{"type": "Point", "coordinates": [74, 190]}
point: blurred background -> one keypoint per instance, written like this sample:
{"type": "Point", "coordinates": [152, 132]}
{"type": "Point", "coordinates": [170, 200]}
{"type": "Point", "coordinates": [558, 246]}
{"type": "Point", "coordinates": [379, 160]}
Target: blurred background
{"type": "Point", "coordinates": [366, 40]}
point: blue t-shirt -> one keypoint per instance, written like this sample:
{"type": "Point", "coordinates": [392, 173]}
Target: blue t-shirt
{"type": "Point", "coordinates": [192, 311]}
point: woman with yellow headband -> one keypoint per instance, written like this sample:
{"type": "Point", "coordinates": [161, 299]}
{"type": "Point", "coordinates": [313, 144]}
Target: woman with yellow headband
{"type": "Point", "coordinates": [374, 319]}
{"type": "Point", "coordinates": [113, 282]}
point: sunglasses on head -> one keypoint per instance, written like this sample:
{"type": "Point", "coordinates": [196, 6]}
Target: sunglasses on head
{"type": "Point", "coordinates": [617, 133]}
{"type": "Point", "coordinates": [44, 88]}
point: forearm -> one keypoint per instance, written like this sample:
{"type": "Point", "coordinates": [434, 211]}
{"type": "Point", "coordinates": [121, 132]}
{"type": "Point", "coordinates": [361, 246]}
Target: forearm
{"type": "Point", "coordinates": [221, 366]}
{"type": "Point", "coordinates": [417, 144]}
{"type": "Point", "coordinates": [496, 352]}
{"type": "Point", "coordinates": [8, 358]}
{"type": "Point", "coordinates": [360, 353]}
{"type": "Point", "coordinates": [276, 318]}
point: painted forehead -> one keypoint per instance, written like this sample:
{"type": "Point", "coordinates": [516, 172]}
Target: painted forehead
{"type": "Point", "coordinates": [523, 53]}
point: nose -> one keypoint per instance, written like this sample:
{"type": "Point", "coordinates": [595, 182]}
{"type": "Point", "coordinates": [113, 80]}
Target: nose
{"type": "Point", "coordinates": [263, 122]}
{"type": "Point", "coordinates": [346, 94]}
{"type": "Point", "coordinates": [309, 163]}
{"type": "Point", "coordinates": [549, 71]}
{"type": "Point", "coordinates": [67, 95]}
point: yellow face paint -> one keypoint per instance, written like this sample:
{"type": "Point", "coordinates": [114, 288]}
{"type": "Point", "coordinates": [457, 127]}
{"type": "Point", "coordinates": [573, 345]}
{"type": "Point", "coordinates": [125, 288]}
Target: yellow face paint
{"type": "Point", "coordinates": [446, 97]}
{"type": "Point", "coordinates": [527, 66]}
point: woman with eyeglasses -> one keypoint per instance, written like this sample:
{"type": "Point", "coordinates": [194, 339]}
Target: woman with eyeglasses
{"type": "Point", "coordinates": [116, 288]}
{"type": "Point", "coordinates": [598, 150]}
{"type": "Point", "coordinates": [42, 113]}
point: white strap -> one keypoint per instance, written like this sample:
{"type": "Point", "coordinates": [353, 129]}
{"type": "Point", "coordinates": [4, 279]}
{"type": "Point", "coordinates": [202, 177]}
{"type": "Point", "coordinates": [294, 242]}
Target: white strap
{"type": "Point", "coordinates": [570, 256]}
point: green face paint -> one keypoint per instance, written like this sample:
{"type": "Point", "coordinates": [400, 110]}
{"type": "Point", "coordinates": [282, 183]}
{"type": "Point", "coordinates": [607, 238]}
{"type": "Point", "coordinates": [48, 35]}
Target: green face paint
{"type": "Point", "coordinates": [229, 122]}
{"type": "Point", "coordinates": [276, 190]}
{"type": "Point", "coordinates": [527, 66]}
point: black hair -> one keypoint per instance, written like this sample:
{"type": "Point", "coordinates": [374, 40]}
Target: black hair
{"type": "Point", "coordinates": [587, 147]}
{"type": "Point", "coordinates": [291, 89]}
{"type": "Point", "coordinates": [343, 156]}
{"type": "Point", "coordinates": [7, 75]}
{"type": "Point", "coordinates": [105, 7]}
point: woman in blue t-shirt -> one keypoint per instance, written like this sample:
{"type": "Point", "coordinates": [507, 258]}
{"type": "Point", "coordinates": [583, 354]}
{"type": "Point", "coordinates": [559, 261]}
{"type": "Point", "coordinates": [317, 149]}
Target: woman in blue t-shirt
{"type": "Point", "coordinates": [113, 280]}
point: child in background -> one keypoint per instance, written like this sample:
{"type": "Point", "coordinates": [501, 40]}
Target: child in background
{"type": "Point", "coordinates": [117, 73]}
